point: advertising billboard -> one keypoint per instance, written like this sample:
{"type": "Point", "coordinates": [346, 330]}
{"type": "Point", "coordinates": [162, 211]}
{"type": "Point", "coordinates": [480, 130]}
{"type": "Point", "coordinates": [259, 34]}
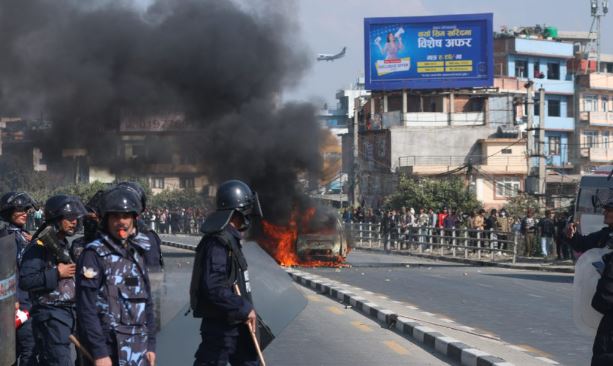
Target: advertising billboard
{"type": "Point", "coordinates": [433, 52]}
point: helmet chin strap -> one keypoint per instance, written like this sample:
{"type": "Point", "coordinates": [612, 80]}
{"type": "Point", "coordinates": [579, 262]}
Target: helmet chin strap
{"type": "Point", "coordinates": [245, 225]}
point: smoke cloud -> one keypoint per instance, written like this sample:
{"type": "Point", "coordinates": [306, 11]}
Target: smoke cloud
{"type": "Point", "coordinates": [84, 63]}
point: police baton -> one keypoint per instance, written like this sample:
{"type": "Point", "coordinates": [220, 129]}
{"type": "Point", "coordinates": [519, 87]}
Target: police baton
{"type": "Point", "coordinates": [254, 337]}
{"type": "Point", "coordinates": [78, 344]}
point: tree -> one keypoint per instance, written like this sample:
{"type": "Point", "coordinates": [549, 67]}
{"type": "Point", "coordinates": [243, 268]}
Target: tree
{"type": "Point", "coordinates": [518, 205]}
{"type": "Point", "coordinates": [174, 199]}
{"type": "Point", "coordinates": [433, 193]}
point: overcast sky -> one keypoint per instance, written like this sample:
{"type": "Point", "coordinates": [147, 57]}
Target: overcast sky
{"type": "Point", "coordinates": [328, 25]}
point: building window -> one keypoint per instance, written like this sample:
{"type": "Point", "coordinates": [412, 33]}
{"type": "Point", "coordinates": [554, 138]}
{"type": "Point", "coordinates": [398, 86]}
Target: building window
{"type": "Point", "coordinates": [187, 183]}
{"type": "Point", "coordinates": [553, 108]}
{"type": "Point", "coordinates": [554, 145]}
{"type": "Point", "coordinates": [605, 101]}
{"type": "Point", "coordinates": [538, 74]}
{"type": "Point", "coordinates": [605, 139]}
{"type": "Point", "coordinates": [521, 68]}
{"type": "Point", "coordinates": [506, 151]}
{"type": "Point", "coordinates": [507, 186]}
{"type": "Point", "coordinates": [590, 138]}
{"type": "Point", "coordinates": [157, 182]}
{"type": "Point", "coordinates": [553, 71]}
{"type": "Point", "coordinates": [590, 103]}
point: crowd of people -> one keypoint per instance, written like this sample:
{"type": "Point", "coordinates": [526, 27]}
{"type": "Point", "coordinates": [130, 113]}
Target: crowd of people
{"type": "Point", "coordinates": [175, 221]}
{"type": "Point", "coordinates": [538, 236]}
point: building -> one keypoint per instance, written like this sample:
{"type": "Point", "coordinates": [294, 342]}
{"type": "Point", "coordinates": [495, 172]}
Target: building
{"type": "Point", "coordinates": [440, 132]}
{"type": "Point", "coordinates": [544, 62]}
{"type": "Point", "coordinates": [595, 119]}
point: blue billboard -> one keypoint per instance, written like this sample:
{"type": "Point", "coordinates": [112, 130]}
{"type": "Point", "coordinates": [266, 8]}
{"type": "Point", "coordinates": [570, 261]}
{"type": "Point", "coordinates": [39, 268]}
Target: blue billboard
{"type": "Point", "coordinates": [433, 52]}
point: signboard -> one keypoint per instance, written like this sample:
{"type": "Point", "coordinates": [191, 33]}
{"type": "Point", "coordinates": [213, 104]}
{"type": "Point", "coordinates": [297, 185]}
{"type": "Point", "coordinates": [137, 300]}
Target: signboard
{"type": "Point", "coordinates": [434, 52]}
{"type": "Point", "coordinates": [160, 122]}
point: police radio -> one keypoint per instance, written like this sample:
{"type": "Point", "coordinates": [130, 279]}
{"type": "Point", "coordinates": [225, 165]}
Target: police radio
{"type": "Point", "coordinates": [48, 236]}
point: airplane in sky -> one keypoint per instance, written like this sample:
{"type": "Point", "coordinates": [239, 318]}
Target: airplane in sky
{"type": "Point", "coordinates": [328, 57]}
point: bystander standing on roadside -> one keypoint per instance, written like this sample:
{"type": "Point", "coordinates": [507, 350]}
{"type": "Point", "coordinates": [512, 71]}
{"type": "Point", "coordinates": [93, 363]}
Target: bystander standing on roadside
{"type": "Point", "coordinates": [546, 229]}
{"type": "Point", "coordinates": [562, 247]}
{"type": "Point", "coordinates": [528, 230]}
{"type": "Point", "coordinates": [503, 225]}
{"type": "Point", "coordinates": [491, 225]}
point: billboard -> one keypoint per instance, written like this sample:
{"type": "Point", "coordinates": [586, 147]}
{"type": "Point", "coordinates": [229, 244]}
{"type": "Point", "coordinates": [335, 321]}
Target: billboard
{"type": "Point", "coordinates": [433, 52]}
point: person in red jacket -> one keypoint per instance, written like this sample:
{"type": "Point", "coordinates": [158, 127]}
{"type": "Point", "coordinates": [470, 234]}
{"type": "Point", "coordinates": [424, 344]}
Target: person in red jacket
{"type": "Point", "coordinates": [440, 223]}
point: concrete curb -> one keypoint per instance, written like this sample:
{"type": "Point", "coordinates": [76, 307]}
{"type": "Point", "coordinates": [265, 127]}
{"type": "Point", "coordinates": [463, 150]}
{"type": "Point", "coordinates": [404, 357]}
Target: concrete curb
{"type": "Point", "coordinates": [179, 245]}
{"type": "Point", "coordinates": [437, 342]}
{"type": "Point", "coordinates": [477, 262]}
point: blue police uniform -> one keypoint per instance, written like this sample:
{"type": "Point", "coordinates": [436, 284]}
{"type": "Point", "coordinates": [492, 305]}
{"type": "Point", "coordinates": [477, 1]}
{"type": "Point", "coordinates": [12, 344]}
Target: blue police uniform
{"type": "Point", "coordinates": [26, 345]}
{"type": "Point", "coordinates": [225, 337]}
{"type": "Point", "coordinates": [114, 303]}
{"type": "Point", "coordinates": [53, 317]}
{"type": "Point", "coordinates": [598, 239]}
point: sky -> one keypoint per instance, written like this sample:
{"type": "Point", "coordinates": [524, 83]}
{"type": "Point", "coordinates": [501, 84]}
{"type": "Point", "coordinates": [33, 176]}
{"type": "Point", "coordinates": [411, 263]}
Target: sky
{"type": "Point", "coordinates": [327, 26]}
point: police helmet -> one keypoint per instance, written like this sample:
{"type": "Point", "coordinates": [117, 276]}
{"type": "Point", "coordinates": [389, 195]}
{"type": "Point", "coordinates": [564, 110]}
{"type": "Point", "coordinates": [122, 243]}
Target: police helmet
{"type": "Point", "coordinates": [63, 207]}
{"type": "Point", "coordinates": [233, 196]}
{"type": "Point", "coordinates": [16, 200]}
{"type": "Point", "coordinates": [93, 205]}
{"type": "Point", "coordinates": [120, 200]}
{"type": "Point", "coordinates": [138, 189]}
{"type": "Point", "coordinates": [237, 195]}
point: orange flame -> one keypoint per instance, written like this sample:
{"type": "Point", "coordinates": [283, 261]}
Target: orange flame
{"type": "Point", "coordinates": [280, 241]}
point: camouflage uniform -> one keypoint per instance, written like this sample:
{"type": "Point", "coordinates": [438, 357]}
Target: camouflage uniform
{"type": "Point", "coordinates": [114, 303]}
{"type": "Point", "coordinates": [53, 303]}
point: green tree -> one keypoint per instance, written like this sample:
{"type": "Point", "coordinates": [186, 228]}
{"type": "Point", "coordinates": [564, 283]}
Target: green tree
{"type": "Point", "coordinates": [173, 199]}
{"type": "Point", "coordinates": [433, 193]}
{"type": "Point", "coordinates": [518, 205]}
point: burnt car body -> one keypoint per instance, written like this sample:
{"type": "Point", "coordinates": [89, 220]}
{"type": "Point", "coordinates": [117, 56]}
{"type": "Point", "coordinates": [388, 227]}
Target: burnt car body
{"type": "Point", "coordinates": [329, 244]}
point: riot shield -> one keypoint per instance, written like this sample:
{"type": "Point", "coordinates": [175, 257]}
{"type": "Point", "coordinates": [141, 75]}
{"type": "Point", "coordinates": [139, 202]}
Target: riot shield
{"type": "Point", "coordinates": [8, 283]}
{"type": "Point", "coordinates": [276, 299]}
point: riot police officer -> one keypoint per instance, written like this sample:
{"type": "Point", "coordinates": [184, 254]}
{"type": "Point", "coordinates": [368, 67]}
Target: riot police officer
{"type": "Point", "coordinates": [114, 305]}
{"type": "Point", "coordinates": [48, 274]}
{"type": "Point", "coordinates": [14, 208]}
{"type": "Point", "coordinates": [598, 239]}
{"type": "Point", "coordinates": [218, 268]}
{"type": "Point", "coordinates": [153, 257]}
{"type": "Point", "coordinates": [90, 226]}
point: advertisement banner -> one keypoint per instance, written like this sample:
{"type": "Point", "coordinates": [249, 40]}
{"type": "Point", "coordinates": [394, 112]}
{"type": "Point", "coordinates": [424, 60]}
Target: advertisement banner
{"type": "Point", "coordinates": [434, 52]}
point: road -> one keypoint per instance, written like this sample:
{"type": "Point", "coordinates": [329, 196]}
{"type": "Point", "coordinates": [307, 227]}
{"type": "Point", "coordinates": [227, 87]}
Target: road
{"type": "Point", "coordinates": [526, 308]}
{"type": "Point", "coordinates": [325, 333]}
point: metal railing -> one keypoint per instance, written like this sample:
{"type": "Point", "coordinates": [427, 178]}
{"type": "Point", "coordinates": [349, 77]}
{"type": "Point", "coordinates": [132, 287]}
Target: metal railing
{"type": "Point", "coordinates": [469, 243]}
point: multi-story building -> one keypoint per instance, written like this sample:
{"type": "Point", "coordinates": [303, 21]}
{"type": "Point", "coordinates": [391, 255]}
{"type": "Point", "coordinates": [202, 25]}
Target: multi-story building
{"type": "Point", "coordinates": [544, 62]}
{"type": "Point", "coordinates": [595, 119]}
{"type": "Point", "coordinates": [439, 132]}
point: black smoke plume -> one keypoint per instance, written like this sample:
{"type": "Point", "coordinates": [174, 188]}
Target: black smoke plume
{"type": "Point", "coordinates": [85, 63]}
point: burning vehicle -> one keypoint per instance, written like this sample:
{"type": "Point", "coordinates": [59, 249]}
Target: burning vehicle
{"type": "Point", "coordinates": [314, 237]}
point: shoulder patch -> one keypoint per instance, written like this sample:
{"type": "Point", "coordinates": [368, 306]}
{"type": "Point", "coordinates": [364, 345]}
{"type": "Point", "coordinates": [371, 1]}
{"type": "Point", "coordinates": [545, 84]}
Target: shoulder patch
{"type": "Point", "coordinates": [89, 273]}
{"type": "Point", "coordinates": [39, 242]}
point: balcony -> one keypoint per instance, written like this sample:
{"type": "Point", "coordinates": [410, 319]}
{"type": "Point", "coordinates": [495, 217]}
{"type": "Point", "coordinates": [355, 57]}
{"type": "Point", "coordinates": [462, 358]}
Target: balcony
{"type": "Point", "coordinates": [434, 119]}
{"type": "Point", "coordinates": [545, 48]}
{"type": "Point", "coordinates": [597, 154]}
{"type": "Point", "coordinates": [429, 165]}
{"type": "Point", "coordinates": [597, 80]}
{"type": "Point", "coordinates": [557, 123]}
{"type": "Point", "coordinates": [597, 118]}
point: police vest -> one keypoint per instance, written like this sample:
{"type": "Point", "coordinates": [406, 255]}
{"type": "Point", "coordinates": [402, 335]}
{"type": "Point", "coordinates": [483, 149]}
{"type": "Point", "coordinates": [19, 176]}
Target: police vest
{"type": "Point", "coordinates": [123, 297]}
{"type": "Point", "coordinates": [237, 275]}
{"type": "Point", "coordinates": [64, 292]}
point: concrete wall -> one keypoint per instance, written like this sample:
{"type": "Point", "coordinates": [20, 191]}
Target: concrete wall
{"type": "Point", "coordinates": [444, 141]}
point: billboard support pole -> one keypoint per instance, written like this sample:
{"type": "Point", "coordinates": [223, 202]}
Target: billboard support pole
{"type": "Point", "coordinates": [405, 105]}
{"type": "Point", "coordinates": [355, 166]}
{"type": "Point", "coordinates": [384, 102]}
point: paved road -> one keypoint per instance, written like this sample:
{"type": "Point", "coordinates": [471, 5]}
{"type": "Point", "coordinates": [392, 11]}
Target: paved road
{"type": "Point", "coordinates": [325, 333]}
{"type": "Point", "coordinates": [527, 308]}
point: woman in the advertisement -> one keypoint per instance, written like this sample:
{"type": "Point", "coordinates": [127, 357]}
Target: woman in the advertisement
{"type": "Point", "coordinates": [393, 45]}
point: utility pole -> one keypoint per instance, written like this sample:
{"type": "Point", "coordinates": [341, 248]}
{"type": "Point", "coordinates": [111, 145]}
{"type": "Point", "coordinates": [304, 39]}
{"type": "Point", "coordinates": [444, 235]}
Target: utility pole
{"type": "Point", "coordinates": [355, 167]}
{"type": "Point", "coordinates": [530, 125]}
{"type": "Point", "coordinates": [541, 149]}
